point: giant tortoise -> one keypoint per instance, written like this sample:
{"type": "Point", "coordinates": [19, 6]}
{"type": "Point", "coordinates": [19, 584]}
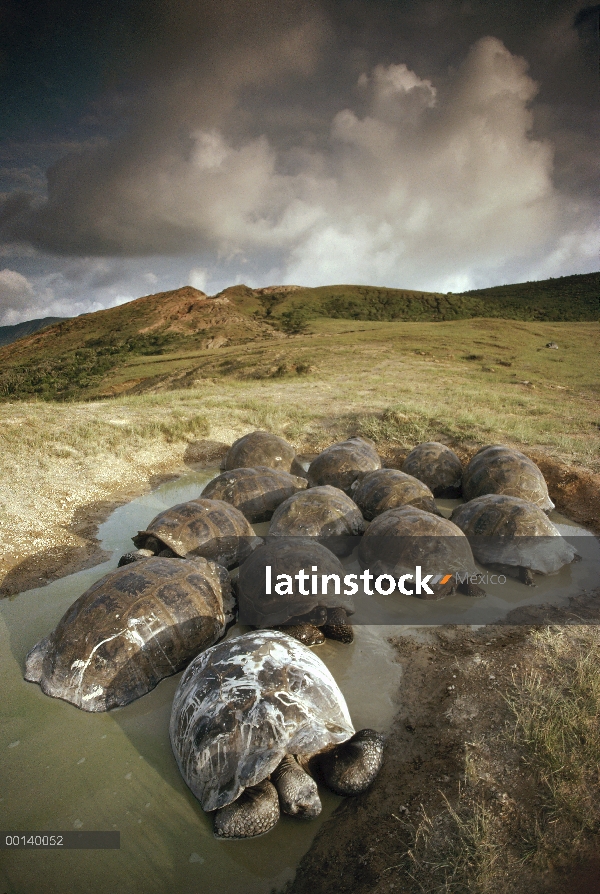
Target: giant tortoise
{"type": "Point", "coordinates": [389, 489]}
{"type": "Point", "coordinates": [342, 463]}
{"type": "Point", "coordinates": [130, 629]}
{"type": "Point", "coordinates": [261, 448]}
{"type": "Point", "coordinates": [213, 529]}
{"type": "Point", "coordinates": [437, 466]}
{"type": "Point", "coordinates": [504, 470]}
{"type": "Point", "coordinates": [325, 513]}
{"type": "Point", "coordinates": [248, 716]}
{"type": "Point", "coordinates": [271, 592]}
{"type": "Point", "coordinates": [399, 540]}
{"type": "Point", "coordinates": [255, 492]}
{"type": "Point", "coordinates": [513, 536]}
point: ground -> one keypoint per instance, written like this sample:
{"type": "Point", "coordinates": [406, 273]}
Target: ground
{"type": "Point", "coordinates": [67, 465]}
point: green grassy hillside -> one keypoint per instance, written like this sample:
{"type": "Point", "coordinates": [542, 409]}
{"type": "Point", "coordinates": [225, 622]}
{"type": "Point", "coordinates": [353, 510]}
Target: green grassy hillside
{"type": "Point", "coordinates": [183, 335]}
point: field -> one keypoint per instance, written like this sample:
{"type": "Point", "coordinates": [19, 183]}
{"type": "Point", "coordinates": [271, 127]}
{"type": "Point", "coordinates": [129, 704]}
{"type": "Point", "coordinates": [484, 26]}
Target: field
{"type": "Point", "coordinates": [466, 382]}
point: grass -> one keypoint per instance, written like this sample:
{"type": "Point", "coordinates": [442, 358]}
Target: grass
{"type": "Point", "coordinates": [454, 852]}
{"type": "Point", "coordinates": [551, 738]}
{"type": "Point", "coordinates": [556, 710]}
{"type": "Point", "coordinates": [399, 383]}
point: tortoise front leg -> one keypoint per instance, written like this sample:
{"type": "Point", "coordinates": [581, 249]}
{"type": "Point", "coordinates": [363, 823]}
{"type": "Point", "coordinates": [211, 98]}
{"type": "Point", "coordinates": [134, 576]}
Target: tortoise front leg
{"type": "Point", "coordinates": [254, 813]}
{"type": "Point", "coordinates": [337, 626]}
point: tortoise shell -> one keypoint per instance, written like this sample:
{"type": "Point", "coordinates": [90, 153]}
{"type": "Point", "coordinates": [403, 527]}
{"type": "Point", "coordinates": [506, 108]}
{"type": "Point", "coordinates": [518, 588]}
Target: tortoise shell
{"type": "Point", "coordinates": [287, 556]}
{"type": "Point", "coordinates": [400, 539]}
{"type": "Point", "coordinates": [342, 463]}
{"type": "Point", "coordinates": [133, 627]}
{"type": "Point", "coordinates": [503, 470]}
{"type": "Point", "coordinates": [510, 531]}
{"type": "Point", "coordinates": [213, 529]}
{"type": "Point", "coordinates": [255, 492]}
{"type": "Point", "coordinates": [325, 513]}
{"type": "Point", "coordinates": [261, 448]}
{"type": "Point", "coordinates": [244, 704]}
{"type": "Point", "coordinates": [388, 489]}
{"type": "Point", "coordinates": [436, 466]}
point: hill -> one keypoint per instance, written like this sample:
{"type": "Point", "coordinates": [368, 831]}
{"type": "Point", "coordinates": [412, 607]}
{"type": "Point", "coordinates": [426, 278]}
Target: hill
{"type": "Point", "coordinates": [9, 334]}
{"type": "Point", "coordinates": [172, 336]}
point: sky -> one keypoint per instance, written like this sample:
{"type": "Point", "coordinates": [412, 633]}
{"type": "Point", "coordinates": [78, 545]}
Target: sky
{"type": "Point", "coordinates": [437, 145]}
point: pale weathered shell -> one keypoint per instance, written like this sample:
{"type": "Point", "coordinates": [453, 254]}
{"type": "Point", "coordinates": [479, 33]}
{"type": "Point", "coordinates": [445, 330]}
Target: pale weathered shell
{"type": "Point", "coordinates": [389, 489]}
{"type": "Point", "coordinates": [437, 466]}
{"type": "Point", "coordinates": [261, 448]}
{"type": "Point", "coordinates": [511, 531]}
{"type": "Point", "coordinates": [342, 463]}
{"type": "Point", "coordinates": [213, 529]}
{"type": "Point", "coordinates": [287, 556]}
{"type": "Point", "coordinates": [255, 492]}
{"type": "Point", "coordinates": [400, 539]}
{"type": "Point", "coordinates": [244, 704]}
{"type": "Point", "coordinates": [132, 628]}
{"type": "Point", "coordinates": [503, 470]}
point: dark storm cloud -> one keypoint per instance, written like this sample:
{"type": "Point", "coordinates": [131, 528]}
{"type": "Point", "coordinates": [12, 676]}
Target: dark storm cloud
{"type": "Point", "coordinates": [420, 143]}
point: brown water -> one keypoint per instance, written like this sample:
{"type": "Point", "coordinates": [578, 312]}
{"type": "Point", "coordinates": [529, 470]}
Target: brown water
{"type": "Point", "coordinates": [62, 769]}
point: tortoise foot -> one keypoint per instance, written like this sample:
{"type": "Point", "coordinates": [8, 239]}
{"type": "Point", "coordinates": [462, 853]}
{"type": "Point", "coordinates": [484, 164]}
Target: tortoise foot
{"type": "Point", "coordinates": [337, 626]}
{"type": "Point", "coordinates": [350, 768]}
{"type": "Point", "coordinates": [254, 813]}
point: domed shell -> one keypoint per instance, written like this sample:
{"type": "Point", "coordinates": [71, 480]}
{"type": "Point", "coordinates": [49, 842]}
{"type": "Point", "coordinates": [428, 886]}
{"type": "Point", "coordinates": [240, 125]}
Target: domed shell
{"type": "Point", "coordinates": [261, 448]}
{"type": "Point", "coordinates": [287, 556]}
{"type": "Point", "coordinates": [244, 704]}
{"type": "Point", "coordinates": [436, 466]}
{"type": "Point", "coordinates": [389, 489]}
{"type": "Point", "coordinates": [400, 539]}
{"type": "Point", "coordinates": [325, 513]}
{"type": "Point", "coordinates": [341, 464]}
{"type": "Point", "coordinates": [213, 529]}
{"type": "Point", "coordinates": [255, 492]}
{"type": "Point", "coordinates": [503, 470]}
{"type": "Point", "coordinates": [510, 531]}
{"type": "Point", "coordinates": [133, 627]}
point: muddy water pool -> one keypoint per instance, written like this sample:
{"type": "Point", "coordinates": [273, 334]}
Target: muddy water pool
{"type": "Point", "coordinates": [62, 769]}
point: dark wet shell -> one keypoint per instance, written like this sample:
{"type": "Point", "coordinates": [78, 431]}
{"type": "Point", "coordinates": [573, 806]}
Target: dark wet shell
{"type": "Point", "coordinates": [133, 627]}
{"type": "Point", "coordinates": [502, 470]}
{"type": "Point", "coordinates": [389, 489]}
{"type": "Point", "coordinates": [255, 492]}
{"type": "Point", "coordinates": [286, 556]}
{"type": "Point", "coordinates": [510, 531]}
{"type": "Point", "coordinates": [341, 464]}
{"type": "Point", "coordinates": [400, 539]}
{"type": "Point", "coordinates": [321, 512]}
{"type": "Point", "coordinates": [436, 466]}
{"type": "Point", "coordinates": [241, 706]}
{"type": "Point", "coordinates": [261, 448]}
{"type": "Point", "coordinates": [213, 529]}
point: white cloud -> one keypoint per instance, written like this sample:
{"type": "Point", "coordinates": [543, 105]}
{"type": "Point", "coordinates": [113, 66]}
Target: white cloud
{"type": "Point", "coordinates": [433, 186]}
{"type": "Point", "coordinates": [198, 278]}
